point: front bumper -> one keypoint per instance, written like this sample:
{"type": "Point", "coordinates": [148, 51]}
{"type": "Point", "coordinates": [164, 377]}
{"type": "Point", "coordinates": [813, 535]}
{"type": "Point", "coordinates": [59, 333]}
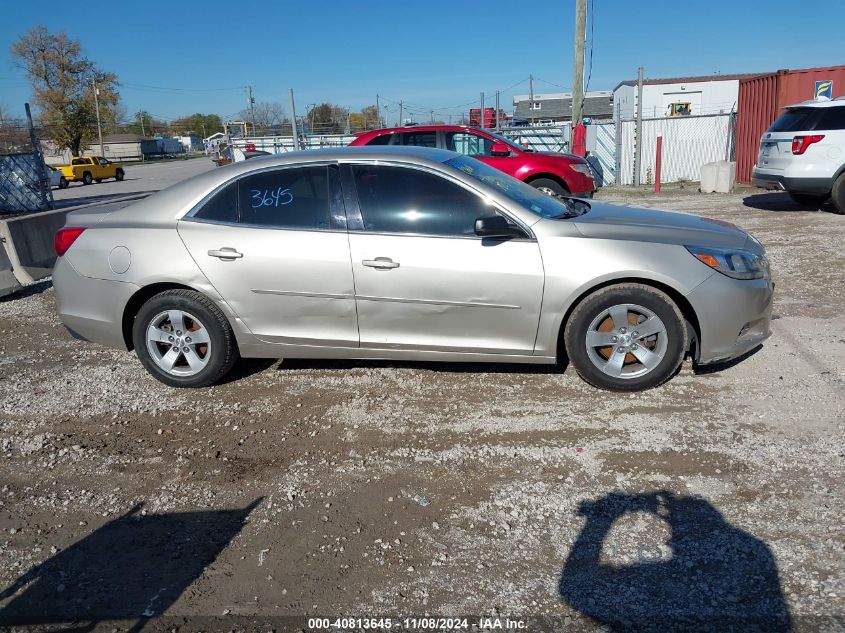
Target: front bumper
{"type": "Point", "coordinates": [91, 309]}
{"type": "Point", "coordinates": [780, 182]}
{"type": "Point", "coordinates": [734, 316]}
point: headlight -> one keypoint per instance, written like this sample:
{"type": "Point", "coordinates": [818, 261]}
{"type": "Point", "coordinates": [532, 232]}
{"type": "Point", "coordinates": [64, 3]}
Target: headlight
{"type": "Point", "coordinates": [733, 262]}
{"type": "Point", "coordinates": [583, 168]}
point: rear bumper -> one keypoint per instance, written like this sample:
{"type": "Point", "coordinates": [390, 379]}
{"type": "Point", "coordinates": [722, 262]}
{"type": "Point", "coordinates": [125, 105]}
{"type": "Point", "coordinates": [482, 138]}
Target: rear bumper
{"type": "Point", "coordinates": [91, 309]}
{"type": "Point", "coordinates": [734, 316]}
{"type": "Point", "coordinates": [779, 182]}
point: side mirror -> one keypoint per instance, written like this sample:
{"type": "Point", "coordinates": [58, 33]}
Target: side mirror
{"type": "Point", "coordinates": [500, 149]}
{"type": "Point", "coordinates": [497, 226]}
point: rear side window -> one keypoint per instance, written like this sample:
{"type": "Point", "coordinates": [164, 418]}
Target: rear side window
{"type": "Point", "coordinates": [832, 119]}
{"type": "Point", "coordinates": [383, 139]}
{"type": "Point", "coordinates": [796, 120]}
{"type": "Point", "coordinates": [286, 198]}
{"type": "Point", "coordinates": [403, 200]}
{"type": "Point", "coordinates": [222, 207]}
{"type": "Point", "coordinates": [420, 139]}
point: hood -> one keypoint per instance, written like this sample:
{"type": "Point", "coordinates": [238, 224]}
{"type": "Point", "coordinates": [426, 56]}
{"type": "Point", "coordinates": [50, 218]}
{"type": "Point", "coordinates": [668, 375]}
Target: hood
{"type": "Point", "coordinates": [608, 221]}
{"type": "Point", "coordinates": [569, 157]}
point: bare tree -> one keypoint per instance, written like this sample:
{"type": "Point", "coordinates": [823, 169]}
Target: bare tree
{"type": "Point", "coordinates": [269, 117]}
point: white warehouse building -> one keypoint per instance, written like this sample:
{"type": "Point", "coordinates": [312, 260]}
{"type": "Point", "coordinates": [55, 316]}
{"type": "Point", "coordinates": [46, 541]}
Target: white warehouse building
{"type": "Point", "coordinates": [679, 96]}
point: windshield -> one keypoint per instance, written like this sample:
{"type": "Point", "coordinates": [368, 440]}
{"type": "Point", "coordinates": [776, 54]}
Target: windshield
{"type": "Point", "coordinates": [523, 194]}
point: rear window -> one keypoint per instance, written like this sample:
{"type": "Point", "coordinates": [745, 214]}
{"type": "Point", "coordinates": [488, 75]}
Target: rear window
{"type": "Point", "coordinates": [383, 139]}
{"type": "Point", "coordinates": [832, 119]}
{"type": "Point", "coordinates": [797, 120]}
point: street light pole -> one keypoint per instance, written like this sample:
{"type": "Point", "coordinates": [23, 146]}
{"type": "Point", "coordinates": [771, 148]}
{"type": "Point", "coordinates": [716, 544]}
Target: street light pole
{"type": "Point", "coordinates": [97, 107]}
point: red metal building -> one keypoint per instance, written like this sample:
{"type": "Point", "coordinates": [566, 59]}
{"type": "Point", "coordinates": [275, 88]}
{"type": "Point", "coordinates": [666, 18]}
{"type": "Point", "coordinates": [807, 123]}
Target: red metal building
{"type": "Point", "coordinates": [761, 99]}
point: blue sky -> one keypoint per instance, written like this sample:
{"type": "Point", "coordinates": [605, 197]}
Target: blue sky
{"type": "Point", "coordinates": [175, 58]}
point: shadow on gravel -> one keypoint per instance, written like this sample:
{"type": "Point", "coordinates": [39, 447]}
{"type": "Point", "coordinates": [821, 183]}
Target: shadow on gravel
{"type": "Point", "coordinates": [457, 368]}
{"type": "Point", "coordinates": [132, 568]}
{"type": "Point", "coordinates": [716, 577]}
{"type": "Point", "coordinates": [779, 201]}
{"type": "Point", "coordinates": [27, 291]}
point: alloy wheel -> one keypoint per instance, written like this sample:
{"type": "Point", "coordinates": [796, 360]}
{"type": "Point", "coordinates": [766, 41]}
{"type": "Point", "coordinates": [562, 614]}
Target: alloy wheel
{"type": "Point", "coordinates": [626, 341]}
{"type": "Point", "coordinates": [178, 343]}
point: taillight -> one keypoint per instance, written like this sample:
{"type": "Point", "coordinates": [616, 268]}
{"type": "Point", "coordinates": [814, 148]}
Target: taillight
{"type": "Point", "coordinates": [65, 238]}
{"type": "Point", "coordinates": [801, 143]}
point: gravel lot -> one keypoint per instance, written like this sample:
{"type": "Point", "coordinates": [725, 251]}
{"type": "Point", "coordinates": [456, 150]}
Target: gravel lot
{"type": "Point", "coordinates": [367, 488]}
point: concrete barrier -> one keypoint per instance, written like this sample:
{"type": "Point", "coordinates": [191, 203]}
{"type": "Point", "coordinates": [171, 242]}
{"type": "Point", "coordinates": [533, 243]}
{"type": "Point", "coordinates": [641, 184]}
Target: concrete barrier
{"type": "Point", "coordinates": [29, 243]}
{"type": "Point", "coordinates": [8, 282]}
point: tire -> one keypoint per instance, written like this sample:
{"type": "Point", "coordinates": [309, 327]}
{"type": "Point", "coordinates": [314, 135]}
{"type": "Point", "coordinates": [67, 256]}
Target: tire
{"type": "Point", "coordinates": [837, 195]}
{"type": "Point", "coordinates": [86, 178]}
{"type": "Point", "coordinates": [118, 175]}
{"type": "Point", "coordinates": [63, 183]}
{"type": "Point", "coordinates": [810, 200]}
{"type": "Point", "coordinates": [549, 186]}
{"type": "Point", "coordinates": [646, 362]}
{"type": "Point", "coordinates": [206, 361]}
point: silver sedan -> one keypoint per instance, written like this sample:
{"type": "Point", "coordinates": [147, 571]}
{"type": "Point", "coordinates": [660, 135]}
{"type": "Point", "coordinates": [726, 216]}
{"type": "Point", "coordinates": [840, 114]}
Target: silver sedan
{"type": "Point", "coordinates": [405, 253]}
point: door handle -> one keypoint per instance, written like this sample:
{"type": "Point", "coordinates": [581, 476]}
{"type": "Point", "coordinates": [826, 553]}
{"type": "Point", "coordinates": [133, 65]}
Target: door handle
{"type": "Point", "coordinates": [381, 263]}
{"type": "Point", "coordinates": [226, 253]}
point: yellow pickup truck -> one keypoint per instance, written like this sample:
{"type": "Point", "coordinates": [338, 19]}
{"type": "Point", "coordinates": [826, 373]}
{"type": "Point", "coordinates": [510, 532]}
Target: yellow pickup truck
{"type": "Point", "coordinates": [88, 169]}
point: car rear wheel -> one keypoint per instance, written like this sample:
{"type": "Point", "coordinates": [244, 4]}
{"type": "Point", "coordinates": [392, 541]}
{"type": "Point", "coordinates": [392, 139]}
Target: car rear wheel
{"type": "Point", "coordinates": [63, 183]}
{"type": "Point", "coordinates": [837, 194]}
{"type": "Point", "coordinates": [549, 187]}
{"type": "Point", "coordinates": [810, 200]}
{"type": "Point", "coordinates": [183, 339]}
{"type": "Point", "coordinates": [118, 175]}
{"type": "Point", "coordinates": [86, 178]}
{"type": "Point", "coordinates": [626, 337]}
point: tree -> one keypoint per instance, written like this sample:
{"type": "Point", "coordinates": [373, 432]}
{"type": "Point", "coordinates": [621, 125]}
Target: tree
{"type": "Point", "coordinates": [270, 116]}
{"type": "Point", "coordinates": [370, 115]}
{"type": "Point", "coordinates": [327, 118]}
{"type": "Point", "coordinates": [63, 83]}
{"type": "Point", "coordinates": [203, 125]}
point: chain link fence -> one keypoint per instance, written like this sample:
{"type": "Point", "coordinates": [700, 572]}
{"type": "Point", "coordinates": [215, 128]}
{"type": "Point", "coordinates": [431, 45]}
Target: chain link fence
{"type": "Point", "coordinates": [24, 181]}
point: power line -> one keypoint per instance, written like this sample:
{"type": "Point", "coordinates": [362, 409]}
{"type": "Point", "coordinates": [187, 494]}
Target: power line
{"type": "Point", "coordinates": [166, 89]}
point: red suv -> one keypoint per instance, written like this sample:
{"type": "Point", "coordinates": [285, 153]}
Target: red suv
{"type": "Point", "coordinates": [550, 172]}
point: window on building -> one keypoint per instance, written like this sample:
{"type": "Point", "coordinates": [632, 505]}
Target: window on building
{"type": "Point", "coordinates": [536, 105]}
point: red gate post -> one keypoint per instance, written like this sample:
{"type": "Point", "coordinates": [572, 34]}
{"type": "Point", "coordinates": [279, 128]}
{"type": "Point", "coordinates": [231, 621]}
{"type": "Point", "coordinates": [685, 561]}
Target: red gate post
{"type": "Point", "coordinates": [658, 159]}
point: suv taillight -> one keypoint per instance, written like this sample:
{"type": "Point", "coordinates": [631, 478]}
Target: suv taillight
{"type": "Point", "coordinates": [801, 143]}
{"type": "Point", "coordinates": [64, 238]}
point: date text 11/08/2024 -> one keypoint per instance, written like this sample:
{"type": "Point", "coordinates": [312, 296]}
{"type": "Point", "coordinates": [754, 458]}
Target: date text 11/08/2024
{"type": "Point", "coordinates": [418, 624]}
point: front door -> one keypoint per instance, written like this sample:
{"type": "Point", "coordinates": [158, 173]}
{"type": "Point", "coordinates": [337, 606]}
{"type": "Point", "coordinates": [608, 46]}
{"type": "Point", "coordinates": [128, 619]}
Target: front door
{"type": "Point", "coordinates": [424, 280]}
{"type": "Point", "coordinates": [481, 148]}
{"type": "Point", "coordinates": [274, 245]}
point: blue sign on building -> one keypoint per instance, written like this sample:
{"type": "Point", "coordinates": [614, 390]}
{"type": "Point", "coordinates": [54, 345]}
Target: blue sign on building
{"type": "Point", "coordinates": [824, 89]}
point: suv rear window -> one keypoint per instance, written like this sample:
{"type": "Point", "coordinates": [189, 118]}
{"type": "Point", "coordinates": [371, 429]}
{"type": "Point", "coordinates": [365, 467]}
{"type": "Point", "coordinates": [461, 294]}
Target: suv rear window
{"type": "Point", "coordinates": [832, 119]}
{"type": "Point", "coordinates": [797, 120]}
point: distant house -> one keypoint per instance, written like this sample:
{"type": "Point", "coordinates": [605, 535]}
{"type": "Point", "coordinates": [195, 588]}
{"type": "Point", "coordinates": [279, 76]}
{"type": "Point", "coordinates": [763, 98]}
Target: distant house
{"type": "Point", "coordinates": [191, 143]}
{"type": "Point", "coordinates": [680, 96]}
{"type": "Point", "coordinates": [125, 147]}
{"type": "Point", "coordinates": [557, 107]}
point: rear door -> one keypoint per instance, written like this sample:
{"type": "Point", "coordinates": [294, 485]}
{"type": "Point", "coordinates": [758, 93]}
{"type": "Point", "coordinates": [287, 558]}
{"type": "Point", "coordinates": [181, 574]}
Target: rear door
{"type": "Point", "coordinates": [274, 245]}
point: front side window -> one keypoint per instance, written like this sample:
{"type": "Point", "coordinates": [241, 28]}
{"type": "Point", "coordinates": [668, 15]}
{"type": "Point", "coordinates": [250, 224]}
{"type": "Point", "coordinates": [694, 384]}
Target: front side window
{"type": "Point", "coordinates": [420, 139]}
{"type": "Point", "coordinates": [469, 144]}
{"type": "Point", "coordinates": [404, 200]}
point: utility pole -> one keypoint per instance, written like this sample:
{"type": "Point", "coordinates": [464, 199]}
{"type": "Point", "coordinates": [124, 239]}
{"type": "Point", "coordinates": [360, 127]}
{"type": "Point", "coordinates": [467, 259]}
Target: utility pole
{"type": "Point", "coordinates": [252, 108]}
{"type": "Point", "coordinates": [141, 117]}
{"type": "Point", "coordinates": [378, 113]}
{"type": "Point", "coordinates": [638, 148]}
{"type": "Point", "coordinates": [400, 114]}
{"type": "Point", "coordinates": [432, 117]}
{"type": "Point", "coordinates": [498, 127]}
{"type": "Point", "coordinates": [293, 122]}
{"type": "Point", "coordinates": [481, 112]}
{"type": "Point", "coordinates": [531, 98]}
{"type": "Point", "coordinates": [578, 67]}
{"type": "Point", "coordinates": [97, 106]}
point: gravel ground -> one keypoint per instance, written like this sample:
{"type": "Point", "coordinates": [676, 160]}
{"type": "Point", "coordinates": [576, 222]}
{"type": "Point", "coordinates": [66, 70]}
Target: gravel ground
{"type": "Point", "coordinates": [368, 488]}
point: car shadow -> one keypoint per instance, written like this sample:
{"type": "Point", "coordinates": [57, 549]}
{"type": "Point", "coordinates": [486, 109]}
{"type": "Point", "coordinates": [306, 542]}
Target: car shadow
{"type": "Point", "coordinates": [780, 202]}
{"type": "Point", "coordinates": [289, 364]}
{"type": "Point", "coordinates": [132, 568]}
{"type": "Point", "coordinates": [708, 576]}
{"type": "Point", "coordinates": [27, 291]}
{"type": "Point", "coordinates": [715, 368]}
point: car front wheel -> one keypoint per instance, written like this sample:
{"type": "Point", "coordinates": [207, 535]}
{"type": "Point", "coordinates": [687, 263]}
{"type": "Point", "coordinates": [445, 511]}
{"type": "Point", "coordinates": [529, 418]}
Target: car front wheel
{"type": "Point", "coordinates": [626, 337]}
{"type": "Point", "coordinates": [837, 194]}
{"type": "Point", "coordinates": [549, 187]}
{"type": "Point", "coordinates": [183, 339]}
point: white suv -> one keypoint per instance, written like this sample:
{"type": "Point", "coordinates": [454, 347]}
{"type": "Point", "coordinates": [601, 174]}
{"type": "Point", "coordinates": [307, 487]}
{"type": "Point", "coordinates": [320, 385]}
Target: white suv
{"type": "Point", "coordinates": [803, 152]}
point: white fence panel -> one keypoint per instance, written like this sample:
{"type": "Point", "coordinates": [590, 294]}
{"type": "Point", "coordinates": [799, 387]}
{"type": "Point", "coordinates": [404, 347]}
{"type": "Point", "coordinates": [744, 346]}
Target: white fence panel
{"type": "Point", "coordinates": [605, 153]}
{"type": "Point", "coordinates": [541, 139]}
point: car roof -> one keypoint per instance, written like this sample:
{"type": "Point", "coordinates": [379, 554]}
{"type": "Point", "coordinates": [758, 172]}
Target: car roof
{"type": "Point", "coordinates": [819, 103]}
{"type": "Point", "coordinates": [171, 203]}
{"type": "Point", "coordinates": [418, 128]}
